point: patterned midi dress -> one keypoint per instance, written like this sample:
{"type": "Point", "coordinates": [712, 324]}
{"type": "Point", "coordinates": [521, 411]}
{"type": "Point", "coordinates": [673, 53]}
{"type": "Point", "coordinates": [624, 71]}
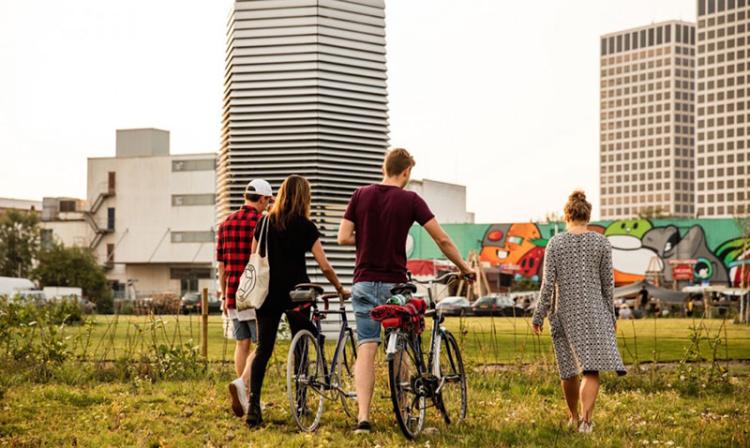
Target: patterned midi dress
{"type": "Point", "coordinates": [577, 292]}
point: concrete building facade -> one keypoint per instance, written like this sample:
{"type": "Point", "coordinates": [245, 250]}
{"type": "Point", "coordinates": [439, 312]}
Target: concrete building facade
{"type": "Point", "coordinates": [305, 93]}
{"type": "Point", "coordinates": [447, 201]}
{"type": "Point", "coordinates": [152, 215]}
{"type": "Point", "coordinates": [647, 121]}
{"type": "Point", "coordinates": [64, 222]}
{"type": "Point", "coordinates": [723, 108]}
{"type": "Point", "coordinates": [26, 205]}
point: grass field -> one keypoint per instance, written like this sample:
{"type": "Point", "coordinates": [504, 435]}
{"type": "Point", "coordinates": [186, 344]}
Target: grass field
{"type": "Point", "coordinates": [483, 339]}
{"type": "Point", "coordinates": [517, 404]}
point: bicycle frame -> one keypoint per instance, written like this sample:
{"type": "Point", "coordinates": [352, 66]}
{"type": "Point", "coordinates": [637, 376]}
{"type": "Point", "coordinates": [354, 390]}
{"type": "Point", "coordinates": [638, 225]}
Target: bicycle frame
{"type": "Point", "coordinates": [317, 316]}
{"type": "Point", "coordinates": [416, 341]}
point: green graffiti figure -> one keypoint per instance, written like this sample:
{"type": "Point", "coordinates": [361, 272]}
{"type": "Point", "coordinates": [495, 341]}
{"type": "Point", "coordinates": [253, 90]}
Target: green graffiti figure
{"type": "Point", "coordinates": [629, 227]}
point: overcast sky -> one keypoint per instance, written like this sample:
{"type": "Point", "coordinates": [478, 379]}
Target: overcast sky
{"type": "Point", "coordinates": [501, 96]}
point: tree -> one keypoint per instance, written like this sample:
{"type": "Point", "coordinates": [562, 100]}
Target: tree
{"type": "Point", "coordinates": [20, 237]}
{"type": "Point", "coordinates": [74, 267]}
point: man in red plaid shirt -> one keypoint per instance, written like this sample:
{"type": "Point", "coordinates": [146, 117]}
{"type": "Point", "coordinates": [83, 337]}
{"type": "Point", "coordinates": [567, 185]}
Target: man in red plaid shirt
{"type": "Point", "coordinates": [233, 246]}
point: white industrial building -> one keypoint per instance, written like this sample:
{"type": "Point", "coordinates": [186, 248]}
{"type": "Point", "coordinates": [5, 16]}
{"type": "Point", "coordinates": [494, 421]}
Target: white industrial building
{"type": "Point", "coordinates": [150, 215]}
{"type": "Point", "coordinates": [447, 201]}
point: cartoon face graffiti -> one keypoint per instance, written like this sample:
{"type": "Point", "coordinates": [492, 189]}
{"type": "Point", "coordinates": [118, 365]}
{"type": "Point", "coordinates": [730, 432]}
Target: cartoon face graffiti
{"type": "Point", "coordinates": [514, 245]}
{"type": "Point", "coordinates": [669, 245]}
{"type": "Point", "coordinates": [630, 259]}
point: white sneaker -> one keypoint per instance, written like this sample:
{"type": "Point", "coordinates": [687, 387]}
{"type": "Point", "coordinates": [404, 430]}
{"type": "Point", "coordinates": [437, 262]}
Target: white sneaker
{"type": "Point", "coordinates": [586, 427]}
{"type": "Point", "coordinates": [240, 400]}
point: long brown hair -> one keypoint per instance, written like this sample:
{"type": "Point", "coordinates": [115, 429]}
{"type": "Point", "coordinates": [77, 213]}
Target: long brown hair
{"type": "Point", "coordinates": [293, 201]}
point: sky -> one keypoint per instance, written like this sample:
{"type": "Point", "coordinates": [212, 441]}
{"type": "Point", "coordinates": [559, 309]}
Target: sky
{"type": "Point", "coordinates": [500, 96]}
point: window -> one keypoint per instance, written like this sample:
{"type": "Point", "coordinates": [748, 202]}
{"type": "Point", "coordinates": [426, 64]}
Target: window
{"type": "Point", "coordinates": [182, 200]}
{"type": "Point", "coordinates": [111, 218]}
{"type": "Point", "coordinates": [193, 237]}
{"type": "Point", "coordinates": [67, 206]}
{"type": "Point", "coordinates": [110, 254]}
{"type": "Point", "coordinates": [47, 239]}
{"type": "Point", "coordinates": [194, 165]}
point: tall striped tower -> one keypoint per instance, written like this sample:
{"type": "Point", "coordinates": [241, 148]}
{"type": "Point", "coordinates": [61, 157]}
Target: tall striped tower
{"type": "Point", "coordinates": [305, 93]}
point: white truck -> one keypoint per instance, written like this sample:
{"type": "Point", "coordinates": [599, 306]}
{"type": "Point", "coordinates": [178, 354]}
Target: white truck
{"type": "Point", "coordinates": [10, 286]}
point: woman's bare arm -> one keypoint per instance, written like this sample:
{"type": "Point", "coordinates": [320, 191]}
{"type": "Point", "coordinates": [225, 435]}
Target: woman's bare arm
{"type": "Point", "coordinates": [325, 267]}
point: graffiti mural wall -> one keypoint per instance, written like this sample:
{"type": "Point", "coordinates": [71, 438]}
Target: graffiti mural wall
{"type": "Point", "coordinates": [715, 247]}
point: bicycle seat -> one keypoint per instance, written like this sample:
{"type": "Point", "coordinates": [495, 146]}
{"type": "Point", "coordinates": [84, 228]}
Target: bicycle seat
{"type": "Point", "coordinates": [402, 288]}
{"type": "Point", "coordinates": [305, 292]}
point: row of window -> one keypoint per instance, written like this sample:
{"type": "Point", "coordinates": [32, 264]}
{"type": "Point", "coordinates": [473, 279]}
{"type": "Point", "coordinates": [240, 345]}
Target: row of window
{"type": "Point", "coordinates": [194, 165]}
{"type": "Point", "coordinates": [723, 82]}
{"type": "Point", "coordinates": [718, 21]}
{"type": "Point", "coordinates": [650, 199]}
{"type": "Point", "coordinates": [730, 146]}
{"type": "Point", "coordinates": [719, 210]}
{"type": "Point", "coordinates": [651, 186]}
{"type": "Point", "coordinates": [721, 172]}
{"type": "Point", "coordinates": [647, 38]}
{"type": "Point", "coordinates": [714, 6]}
{"type": "Point", "coordinates": [633, 135]}
{"type": "Point", "coordinates": [720, 185]}
{"type": "Point", "coordinates": [650, 154]}
{"type": "Point", "coordinates": [182, 200]}
{"type": "Point", "coordinates": [722, 57]}
{"type": "Point", "coordinates": [722, 32]}
{"type": "Point", "coordinates": [616, 213]}
{"type": "Point", "coordinates": [722, 133]}
{"type": "Point", "coordinates": [650, 143]}
{"type": "Point", "coordinates": [728, 120]}
{"type": "Point", "coordinates": [192, 236]}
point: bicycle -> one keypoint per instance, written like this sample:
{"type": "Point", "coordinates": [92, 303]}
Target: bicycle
{"type": "Point", "coordinates": [310, 381]}
{"type": "Point", "coordinates": [442, 380]}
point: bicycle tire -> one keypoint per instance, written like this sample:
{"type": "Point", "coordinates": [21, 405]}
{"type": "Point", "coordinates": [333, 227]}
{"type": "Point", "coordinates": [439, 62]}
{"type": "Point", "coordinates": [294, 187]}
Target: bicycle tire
{"type": "Point", "coordinates": [454, 391]}
{"type": "Point", "coordinates": [344, 378]}
{"type": "Point", "coordinates": [408, 403]}
{"type": "Point", "coordinates": [301, 379]}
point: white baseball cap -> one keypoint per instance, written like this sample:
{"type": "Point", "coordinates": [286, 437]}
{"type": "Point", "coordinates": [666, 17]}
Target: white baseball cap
{"type": "Point", "coordinates": [259, 186]}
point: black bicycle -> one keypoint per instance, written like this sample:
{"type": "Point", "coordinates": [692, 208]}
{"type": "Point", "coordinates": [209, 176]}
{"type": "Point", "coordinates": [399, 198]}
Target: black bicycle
{"type": "Point", "coordinates": [309, 379]}
{"type": "Point", "coordinates": [416, 384]}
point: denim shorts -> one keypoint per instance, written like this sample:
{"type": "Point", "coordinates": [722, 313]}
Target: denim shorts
{"type": "Point", "coordinates": [245, 329]}
{"type": "Point", "coordinates": [366, 296]}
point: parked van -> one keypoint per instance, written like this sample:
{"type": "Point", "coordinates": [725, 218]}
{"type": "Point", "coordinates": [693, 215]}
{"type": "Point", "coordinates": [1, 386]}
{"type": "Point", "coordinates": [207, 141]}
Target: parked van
{"type": "Point", "coordinates": [10, 286]}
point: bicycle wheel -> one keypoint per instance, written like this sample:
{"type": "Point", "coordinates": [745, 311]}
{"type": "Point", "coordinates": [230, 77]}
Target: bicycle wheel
{"type": "Point", "coordinates": [452, 397]}
{"type": "Point", "coordinates": [343, 380]}
{"type": "Point", "coordinates": [305, 380]}
{"type": "Point", "coordinates": [404, 377]}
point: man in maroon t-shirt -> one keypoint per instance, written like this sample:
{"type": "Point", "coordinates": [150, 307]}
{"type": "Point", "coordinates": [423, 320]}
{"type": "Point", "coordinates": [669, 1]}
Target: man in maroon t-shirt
{"type": "Point", "coordinates": [377, 221]}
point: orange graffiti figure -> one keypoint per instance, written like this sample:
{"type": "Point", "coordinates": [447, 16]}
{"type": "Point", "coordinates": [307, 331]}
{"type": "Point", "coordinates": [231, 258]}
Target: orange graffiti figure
{"type": "Point", "coordinates": [518, 242]}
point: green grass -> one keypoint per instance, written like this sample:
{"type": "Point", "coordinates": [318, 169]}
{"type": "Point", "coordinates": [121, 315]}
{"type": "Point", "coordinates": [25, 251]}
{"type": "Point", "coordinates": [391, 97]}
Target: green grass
{"type": "Point", "coordinates": [485, 340]}
{"type": "Point", "coordinates": [507, 409]}
{"type": "Point", "coordinates": [516, 404]}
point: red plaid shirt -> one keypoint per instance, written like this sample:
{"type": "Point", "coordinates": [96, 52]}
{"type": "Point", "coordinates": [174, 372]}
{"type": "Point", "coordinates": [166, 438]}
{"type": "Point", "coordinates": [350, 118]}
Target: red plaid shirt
{"type": "Point", "coordinates": [233, 246]}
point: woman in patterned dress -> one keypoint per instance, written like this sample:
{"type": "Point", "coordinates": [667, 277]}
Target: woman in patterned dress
{"type": "Point", "coordinates": [577, 292]}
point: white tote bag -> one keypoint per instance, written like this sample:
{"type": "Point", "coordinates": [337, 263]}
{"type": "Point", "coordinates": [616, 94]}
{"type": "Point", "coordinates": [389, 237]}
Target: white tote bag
{"type": "Point", "coordinates": [253, 287]}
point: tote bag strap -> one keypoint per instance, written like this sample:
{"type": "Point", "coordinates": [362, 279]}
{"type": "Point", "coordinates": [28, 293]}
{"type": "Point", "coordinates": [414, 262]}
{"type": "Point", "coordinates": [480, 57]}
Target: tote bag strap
{"type": "Point", "coordinates": [262, 246]}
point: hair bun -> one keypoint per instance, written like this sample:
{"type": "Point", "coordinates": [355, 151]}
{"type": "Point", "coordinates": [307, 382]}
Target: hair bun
{"type": "Point", "coordinates": [577, 208]}
{"type": "Point", "coordinates": [578, 196]}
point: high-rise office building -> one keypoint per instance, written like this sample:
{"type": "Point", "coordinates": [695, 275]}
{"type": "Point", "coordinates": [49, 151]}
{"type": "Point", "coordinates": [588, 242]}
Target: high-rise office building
{"type": "Point", "coordinates": [723, 108]}
{"type": "Point", "coordinates": [647, 121]}
{"type": "Point", "coordinates": [305, 93]}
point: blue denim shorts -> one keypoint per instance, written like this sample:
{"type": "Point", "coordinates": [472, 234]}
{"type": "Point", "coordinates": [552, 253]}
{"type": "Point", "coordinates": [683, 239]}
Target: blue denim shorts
{"type": "Point", "coordinates": [366, 296]}
{"type": "Point", "coordinates": [245, 329]}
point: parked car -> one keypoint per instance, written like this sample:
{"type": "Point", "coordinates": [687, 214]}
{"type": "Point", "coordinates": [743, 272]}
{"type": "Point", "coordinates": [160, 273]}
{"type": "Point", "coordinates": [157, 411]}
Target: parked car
{"type": "Point", "coordinates": [191, 303]}
{"type": "Point", "coordinates": [497, 305]}
{"type": "Point", "coordinates": [454, 306]}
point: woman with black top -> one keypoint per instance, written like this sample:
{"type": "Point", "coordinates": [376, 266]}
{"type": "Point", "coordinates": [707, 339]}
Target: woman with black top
{"type": "Point", "coordinates": [291, 235]}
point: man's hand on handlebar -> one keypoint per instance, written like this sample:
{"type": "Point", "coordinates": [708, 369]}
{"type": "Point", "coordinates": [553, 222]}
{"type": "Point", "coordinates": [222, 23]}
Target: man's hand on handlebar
{"type": "Point", "coordinates": [344, 293]}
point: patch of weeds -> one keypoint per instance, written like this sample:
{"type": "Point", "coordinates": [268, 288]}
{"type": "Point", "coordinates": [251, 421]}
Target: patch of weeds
{"type": "Point", "coordinates": [76, 399]}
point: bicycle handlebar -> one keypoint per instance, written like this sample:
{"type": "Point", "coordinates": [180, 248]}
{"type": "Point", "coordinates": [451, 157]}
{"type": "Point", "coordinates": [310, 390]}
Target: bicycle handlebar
{"type": "Point", "coordinates": [446, 278]}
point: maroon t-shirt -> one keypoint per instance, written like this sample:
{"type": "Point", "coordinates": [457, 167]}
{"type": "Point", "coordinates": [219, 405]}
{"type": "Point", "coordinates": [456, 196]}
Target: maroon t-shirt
{"type": "Point", "coordinates": [382, 216]}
